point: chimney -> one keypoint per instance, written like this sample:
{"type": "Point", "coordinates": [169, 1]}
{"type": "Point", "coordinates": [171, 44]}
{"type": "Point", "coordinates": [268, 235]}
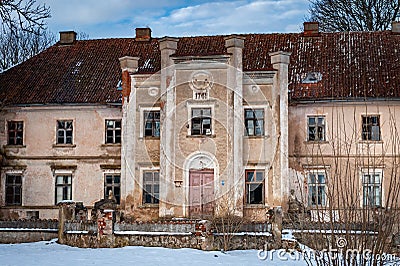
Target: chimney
{"type": "Point", "coordinates": [143, 34]}
{"type": "Point", "coordinates": [67, 37]}
{"type": "Point", "coordinates": [396, 27]}
{"type": "Point", "coordinates": [311, 29]}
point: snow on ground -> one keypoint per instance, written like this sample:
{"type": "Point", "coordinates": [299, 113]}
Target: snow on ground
{"type": "Point", "coordinates": [50, 253]}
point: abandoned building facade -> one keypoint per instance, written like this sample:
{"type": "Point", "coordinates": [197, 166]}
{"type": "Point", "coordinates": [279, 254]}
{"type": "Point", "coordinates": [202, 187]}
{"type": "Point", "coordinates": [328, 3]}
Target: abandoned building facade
{"type": "Point", "coordinates": [195, 126]}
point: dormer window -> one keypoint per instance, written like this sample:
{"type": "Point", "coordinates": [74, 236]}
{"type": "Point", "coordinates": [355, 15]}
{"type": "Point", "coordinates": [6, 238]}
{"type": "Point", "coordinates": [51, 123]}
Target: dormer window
{"type": "Point", "coordinates": [312, 77]}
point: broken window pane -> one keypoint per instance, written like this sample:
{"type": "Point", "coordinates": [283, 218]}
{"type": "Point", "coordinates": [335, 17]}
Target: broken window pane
{"type": "Point", "coordinates": [254, 187]}
{"type": "Point", "coordinates": [15, 132]}
{"type": "Point", "coordinates": [316, 128]}
{"type": "Point", "coordinates": [254, 122]}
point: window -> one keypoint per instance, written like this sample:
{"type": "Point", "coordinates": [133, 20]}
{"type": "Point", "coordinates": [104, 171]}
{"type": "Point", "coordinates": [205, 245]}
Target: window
{"type": "Point", "coordinates": [254, 122]}
{"type": "Point", "coordinates": [112, 184]}
{"type": "Point", "coordinates": [372, 188]}
{"type": "Point", "coordinates": [316, 189]}
{"type": "Point", "coordinates": [63, 187]}
{"type": "Point", "coordinates": [254, 187]}
{"type": "Point", "coordinates": [201, 121]}
{"type": "Point", "coordinates": [64, 132]}
{"type": "Point", "coordinates": [316, 128]}
{"type": "Point", "coordinates": [371, 128]}
{"type": "Point", "coordinates": [152, 123]}
{"type": "Point", "coordinates": [151, 187]}
{"type": "Point", "coordinates": [13, 189]}
{"type": "Point", "coordinates": [15, 132]}
{"type": "Point", "coordinates": [113, 131]}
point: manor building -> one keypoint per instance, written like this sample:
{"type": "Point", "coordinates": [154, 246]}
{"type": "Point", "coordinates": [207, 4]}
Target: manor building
{"type": "Point", "coordinates": [196, 126]}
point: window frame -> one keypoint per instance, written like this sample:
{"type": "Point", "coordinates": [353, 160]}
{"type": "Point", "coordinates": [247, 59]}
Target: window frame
{"type": "Point", "coordinates": [17, 133]}
{"type": "Point", "coordinates": [15, 186]}
{"type": "Point", "coordinates": [374, 172]}
{"type": "Point", "coordinates": [65, 130]}
{"type": "Point", "coordinates": [317, 185]}
{"type": "Point", "coordinates": [254, 119]}
{"type": "Point", "coordinates": [367, 131]}
{"type": "Point", "coordinates": [63, 186]}
{"type": "Point", "coordinates": [154, 200]}
{"type": "Point", "coordinates": [153, 122]}
{"type": "Point", "coordinates": [112, 185]}
{"type": "Point", "coordinates": [142, 111]}
{"type": "Point", "coordinates": [203, 131]}
{"type": "Point", "coordinates": [114, 131]}
{"type": "Point", "coordinates": [248, 201]}
{"type": "Point", "coordinates": [317, 126]}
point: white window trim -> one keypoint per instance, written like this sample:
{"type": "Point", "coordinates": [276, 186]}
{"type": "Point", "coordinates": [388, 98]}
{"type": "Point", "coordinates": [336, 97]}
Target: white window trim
{"type": "Point", "coordinates": [265, 108]}
{"type": "Point", "coordinates": [262, 168]}
{"type": "Point", "coordinates": [141, 119]}
{"type": "Point", "coordinates": [380, 127]}
{"type": "Point", "coordinates": [105, 129]}
{"type": "Point", "coordinates": [191, 106]}
{"type": "Point", "coordinates": [319, 170]}
{"type": "Point", "coordinates": [142, 170]}
{"type": "Point", "coordinates": [73, 131]}
{"type": "Point", "coordinates": [373, 171]}
{"type": "Point", "coordinates": [325, 115]}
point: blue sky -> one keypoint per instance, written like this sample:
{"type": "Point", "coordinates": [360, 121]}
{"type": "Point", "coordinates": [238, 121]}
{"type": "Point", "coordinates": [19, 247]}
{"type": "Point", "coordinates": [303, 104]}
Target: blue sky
{"type": "Point", "coordinates": [119, 18]}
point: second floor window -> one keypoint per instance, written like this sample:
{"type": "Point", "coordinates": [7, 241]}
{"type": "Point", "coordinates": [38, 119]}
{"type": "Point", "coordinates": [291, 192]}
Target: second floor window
{"type": "Point", "coordinates": [64, 132]}
{"type": "Point", "coordinates": [316, 128]}
{"type": "Point", "coordinates": [15, 133]}
{"type": "Point", "coordinates": [201, 121]}
{"type": "Point", "coordinates": [254, 122]}
{"type": "Point", "coordinates": [152, 124]}
{"type": "Point", "coordinates": [371, 128]}
{"type": "Point", "coordinates": [113, 131]}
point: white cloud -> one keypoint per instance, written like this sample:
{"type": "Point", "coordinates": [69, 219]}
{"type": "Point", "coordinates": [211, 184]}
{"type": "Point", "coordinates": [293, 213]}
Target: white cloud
{"type": "Point", "coordinates": [118, 18]}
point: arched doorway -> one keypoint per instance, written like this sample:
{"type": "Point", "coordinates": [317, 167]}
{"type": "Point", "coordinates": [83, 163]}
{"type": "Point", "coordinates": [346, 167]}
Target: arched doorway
{"type": "Point", "coordinates": [201, 169]}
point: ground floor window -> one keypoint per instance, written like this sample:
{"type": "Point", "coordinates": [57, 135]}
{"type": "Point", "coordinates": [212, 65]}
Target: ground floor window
{"type": "Point", "coordinates": [316, 189]}
{"type": "Point", "coordinates": [13, 189]}
{"type": "Point", "coordinates": [63, 188]}
{"type": "Point", "coordinates": [254, 187]}
{"type": "Point", "coordinates": [112, 185]}
{"type": "Point", "coordinates": [372, 188]}
{"type": "Point", "coordinates": [151, 187]}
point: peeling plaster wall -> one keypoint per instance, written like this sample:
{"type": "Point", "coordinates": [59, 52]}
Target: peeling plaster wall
{"type": "Point", "coordinates": [40, 156]}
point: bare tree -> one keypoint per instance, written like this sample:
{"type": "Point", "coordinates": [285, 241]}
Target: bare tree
{"type": "Point", "coordinates": [354, 208]}
{"type": "Point", "coordinates": [354, 15]}
{"type": "Point", "coordinates": [21, 45]}
{"type": "Point", "coordinates": [23, 15]}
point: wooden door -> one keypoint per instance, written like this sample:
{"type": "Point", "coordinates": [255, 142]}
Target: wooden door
{"type": "Point", "coordinates": [201, 193]}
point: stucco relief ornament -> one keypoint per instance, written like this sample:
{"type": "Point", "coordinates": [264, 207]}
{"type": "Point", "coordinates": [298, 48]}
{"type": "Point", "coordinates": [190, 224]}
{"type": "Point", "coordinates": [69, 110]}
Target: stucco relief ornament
{"type": "Point", "coordinates": [201, 81]}
{"type": "Point", "coordinates": [153, 91]}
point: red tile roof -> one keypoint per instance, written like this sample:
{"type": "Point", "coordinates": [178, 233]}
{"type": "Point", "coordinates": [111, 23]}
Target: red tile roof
{"type": "Point", "coordinates": [353, 65]}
